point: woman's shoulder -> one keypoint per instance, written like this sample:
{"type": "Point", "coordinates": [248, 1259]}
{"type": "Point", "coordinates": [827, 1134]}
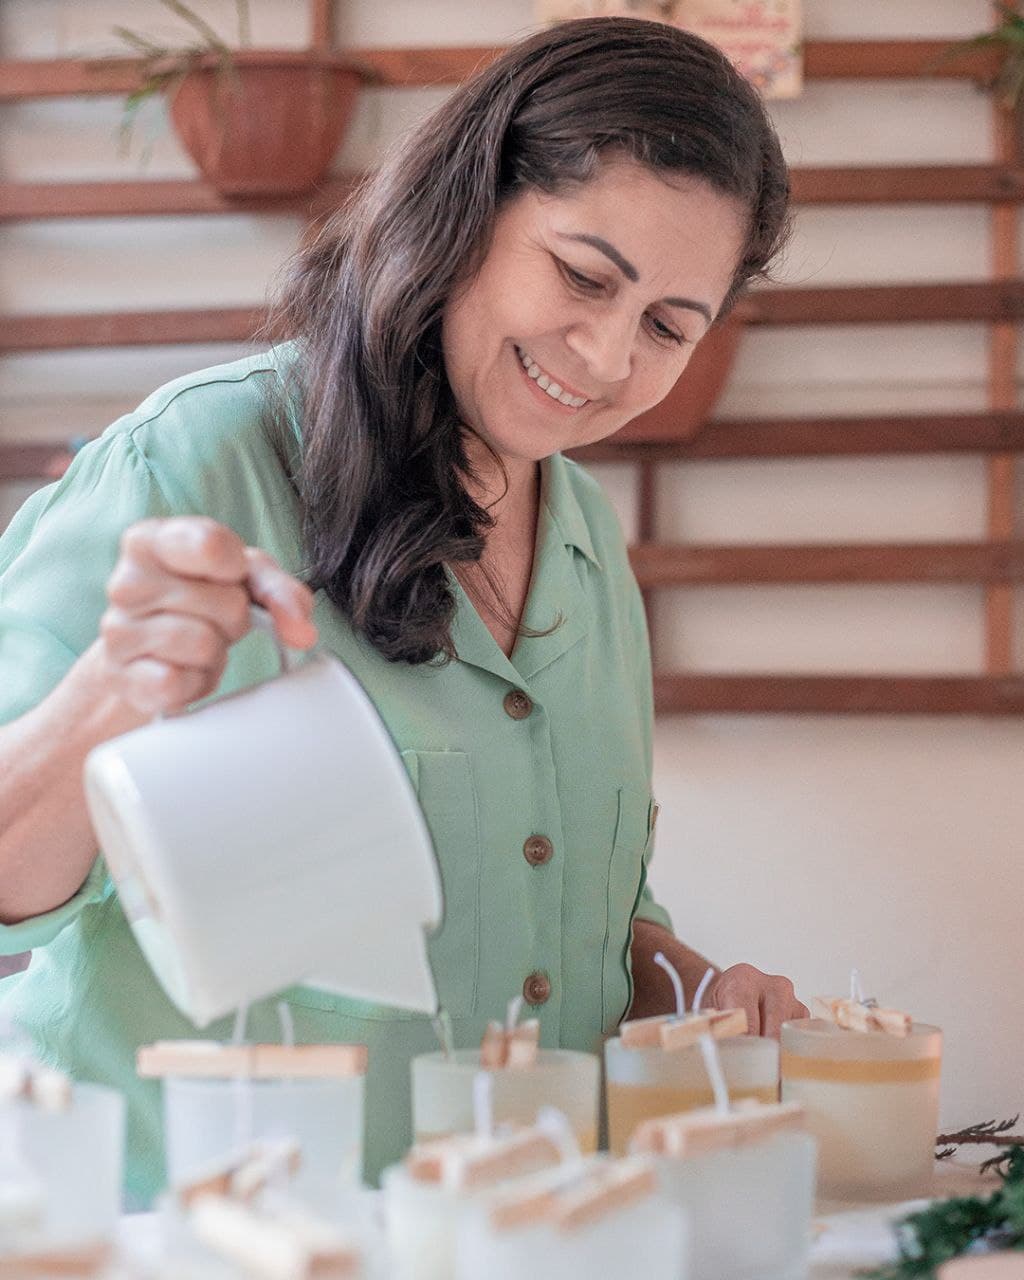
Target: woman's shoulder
{"type": "Point", "coordinates": [219, 441]}
{"type": "Point", "coordinates": [224, 407]}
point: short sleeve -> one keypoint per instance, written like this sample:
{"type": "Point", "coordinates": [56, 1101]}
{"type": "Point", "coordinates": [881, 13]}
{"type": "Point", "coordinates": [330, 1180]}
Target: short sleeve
{"type": "Point", "coordinates": [37, 931]}
{"type": "Point", "coordinates": [55, 559]}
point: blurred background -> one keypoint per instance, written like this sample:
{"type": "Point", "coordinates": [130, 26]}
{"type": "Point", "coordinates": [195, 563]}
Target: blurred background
{"type": "Point", "coordinates": [796, 833]}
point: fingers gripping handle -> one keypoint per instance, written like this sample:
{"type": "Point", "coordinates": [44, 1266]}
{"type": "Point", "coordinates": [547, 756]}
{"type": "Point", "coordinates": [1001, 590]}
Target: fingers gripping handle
{"type": "Point", "coordinates": [262, 620]}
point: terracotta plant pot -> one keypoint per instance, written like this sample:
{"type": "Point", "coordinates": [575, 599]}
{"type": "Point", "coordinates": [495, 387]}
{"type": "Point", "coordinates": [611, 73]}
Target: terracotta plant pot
{"type": "Point", "coordinates": [267, 125]}
{"type": "Point", "coordinates": [688, 405]}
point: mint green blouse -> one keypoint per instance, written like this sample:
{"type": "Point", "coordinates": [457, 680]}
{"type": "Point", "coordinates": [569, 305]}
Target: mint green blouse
{"type": "Point", "coordinates": [569, 761]}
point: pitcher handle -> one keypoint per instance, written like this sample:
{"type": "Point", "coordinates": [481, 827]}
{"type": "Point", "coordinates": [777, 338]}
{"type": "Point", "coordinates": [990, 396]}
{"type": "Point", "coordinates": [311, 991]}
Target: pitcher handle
{"type": "Point", "coordinates": [262, 620]}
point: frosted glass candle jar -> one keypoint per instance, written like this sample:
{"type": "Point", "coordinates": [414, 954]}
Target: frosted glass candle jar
{"type": "Point", "coordinates": [647, 1239]}
{"type": "Point", "coordinates": [78, 1156]}
{"type": "Point", "coordinates": [207, 1119]}
{"type": "Point", "coordinates": [644, 1083]}
{"type": "Point", "coordinates": [749, 1207]}
{"type": "Point", "coordinates": [872, 1101]}
{"type": "Point", "coordinates": [422, 1221]}
{"type": "Point", "coordinates": [442, 1092]}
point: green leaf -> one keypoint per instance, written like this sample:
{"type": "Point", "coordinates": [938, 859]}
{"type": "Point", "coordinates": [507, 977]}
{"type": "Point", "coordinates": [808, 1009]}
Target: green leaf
{"type": "Point", "coordinates": [182, 10]}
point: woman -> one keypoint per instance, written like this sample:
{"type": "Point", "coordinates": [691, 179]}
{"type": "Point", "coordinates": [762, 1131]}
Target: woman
{"type": "Point", "coordinates": [531, 270]}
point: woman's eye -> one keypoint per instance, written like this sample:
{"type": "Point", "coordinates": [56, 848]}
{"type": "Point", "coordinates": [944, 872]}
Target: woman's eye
{"type": "Point", "coordinates": [578, 279]}
{"type": "Point", "coordinates": [664, 333]}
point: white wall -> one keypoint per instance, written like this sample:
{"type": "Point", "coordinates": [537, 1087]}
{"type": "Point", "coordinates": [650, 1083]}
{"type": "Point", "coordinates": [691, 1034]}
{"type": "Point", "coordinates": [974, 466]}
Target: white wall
{"type": "Point", "coordinates": [802, 844]}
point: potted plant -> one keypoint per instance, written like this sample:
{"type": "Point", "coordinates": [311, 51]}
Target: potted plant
{"type": "Point", "coordinates": [257, 122]}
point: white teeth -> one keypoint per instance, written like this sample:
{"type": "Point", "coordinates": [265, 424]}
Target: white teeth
{"type": "Point", "coordinates": [542, 380]}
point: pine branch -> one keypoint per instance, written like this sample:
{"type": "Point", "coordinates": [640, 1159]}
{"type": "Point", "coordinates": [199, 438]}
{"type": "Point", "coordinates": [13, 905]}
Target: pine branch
{"type": "Point", "coordinates": [988, 1132]}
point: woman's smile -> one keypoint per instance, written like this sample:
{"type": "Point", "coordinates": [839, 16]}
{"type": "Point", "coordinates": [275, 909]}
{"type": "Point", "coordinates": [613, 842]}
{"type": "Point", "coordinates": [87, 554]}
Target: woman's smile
{"type": "Point", "coordinates": [555, 392]}
{"type": "Point", "coordinates": [544, 388]}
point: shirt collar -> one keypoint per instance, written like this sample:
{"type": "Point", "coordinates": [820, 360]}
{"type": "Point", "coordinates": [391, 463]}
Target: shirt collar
{"type": "Point", "coordinates": [564, 508]}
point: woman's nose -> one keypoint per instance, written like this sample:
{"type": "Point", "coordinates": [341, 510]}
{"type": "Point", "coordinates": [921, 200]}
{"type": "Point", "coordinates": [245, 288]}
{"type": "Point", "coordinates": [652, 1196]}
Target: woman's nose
{"type": "Point", "coordinates": [605, 345]}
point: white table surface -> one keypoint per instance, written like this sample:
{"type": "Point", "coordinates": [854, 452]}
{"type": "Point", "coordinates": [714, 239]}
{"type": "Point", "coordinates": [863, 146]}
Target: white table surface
{"type": "Point", "coordinates": [847, 1238]}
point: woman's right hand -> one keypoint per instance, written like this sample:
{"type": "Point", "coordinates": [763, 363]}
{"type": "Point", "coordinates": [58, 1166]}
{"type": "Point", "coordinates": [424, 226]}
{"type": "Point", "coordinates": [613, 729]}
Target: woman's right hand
{"type": "Point", "coordinates": [179, 598]}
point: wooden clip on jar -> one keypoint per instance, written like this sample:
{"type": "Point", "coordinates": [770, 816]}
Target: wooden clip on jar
{"type": "Point", "coordinates": [604, 1218]}
{"type": "Point", "coordinates": [69, 1141]}
{"type": "Point", "coordinates": [745, 1177]}
{"type": "Point", "coordinates": [428, 1193]}
{"type": "Point", "coordinates": [654, 1068]}
{"type": "Point", "coordinates": [220, 1098]}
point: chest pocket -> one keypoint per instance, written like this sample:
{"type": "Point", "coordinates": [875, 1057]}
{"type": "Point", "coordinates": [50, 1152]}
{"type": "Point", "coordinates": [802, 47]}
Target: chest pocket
{"type": "Point", "coordinates": [627, 874]}
{"type": "Point", "coordinates": [444, 784]}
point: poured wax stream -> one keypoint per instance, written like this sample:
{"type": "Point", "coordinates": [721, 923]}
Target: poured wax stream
{"type": "Point", "coordinates": [241, 1088]}
{"type": "Point", "coordinates": [442, 1025]}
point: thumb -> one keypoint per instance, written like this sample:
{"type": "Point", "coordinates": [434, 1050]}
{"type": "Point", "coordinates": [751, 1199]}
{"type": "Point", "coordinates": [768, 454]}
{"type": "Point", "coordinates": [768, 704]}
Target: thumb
{"type": "Point", "coordinates": [288, 601]}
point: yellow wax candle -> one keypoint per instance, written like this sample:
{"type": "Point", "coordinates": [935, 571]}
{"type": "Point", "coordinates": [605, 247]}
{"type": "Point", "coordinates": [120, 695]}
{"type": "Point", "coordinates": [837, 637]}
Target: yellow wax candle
{"type": "Point", "coordinates": [872, 1101]}
{"type": "Point", "coordinates": [643, 1084]}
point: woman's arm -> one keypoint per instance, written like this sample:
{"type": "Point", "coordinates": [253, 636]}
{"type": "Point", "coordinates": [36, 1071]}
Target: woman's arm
{"type": "Point", "coordinates": [768, 999]}
{"type": "Point", "coordinates": [178, 599]}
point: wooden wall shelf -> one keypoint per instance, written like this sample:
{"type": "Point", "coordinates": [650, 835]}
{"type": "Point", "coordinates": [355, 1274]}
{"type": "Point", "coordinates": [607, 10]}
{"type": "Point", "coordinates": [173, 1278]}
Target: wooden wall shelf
{"type": "Point", "coordinates": [912, 184]}
{"type": "Point", "coordinates": [939, 562]}
{"type": "Point", "coordinates": [998, 302]}
{"type": "Point", "coordinates": [420, 68]}
{"type": "Point", "coordinates": [768, 692]}
{"type": "Point", "coordinates": [825, 437]}
{"type": "Point", "coordinates": [854, 304]}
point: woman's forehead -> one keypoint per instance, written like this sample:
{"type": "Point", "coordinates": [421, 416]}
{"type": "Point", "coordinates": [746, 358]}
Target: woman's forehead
{"type": "Point", "coordinates": [646, 224]}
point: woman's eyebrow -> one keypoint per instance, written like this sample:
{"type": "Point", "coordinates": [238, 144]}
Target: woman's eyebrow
{"type": "Point", "coordinates": [629, 271]}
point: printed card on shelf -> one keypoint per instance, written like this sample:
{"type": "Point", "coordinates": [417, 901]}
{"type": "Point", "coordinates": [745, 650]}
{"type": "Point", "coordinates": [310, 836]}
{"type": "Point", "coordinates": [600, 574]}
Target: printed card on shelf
{"type": "Point", "coordinates": [761, 37]}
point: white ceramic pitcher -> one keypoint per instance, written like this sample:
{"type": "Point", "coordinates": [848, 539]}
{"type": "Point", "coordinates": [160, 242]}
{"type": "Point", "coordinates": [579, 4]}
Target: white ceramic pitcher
{"type": "Point", "coordinates": [254, 841]}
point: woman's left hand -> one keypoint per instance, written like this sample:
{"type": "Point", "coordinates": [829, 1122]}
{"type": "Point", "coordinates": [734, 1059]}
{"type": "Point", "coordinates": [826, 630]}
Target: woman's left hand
{"type": "Point", "coordinates": [769, 1000]}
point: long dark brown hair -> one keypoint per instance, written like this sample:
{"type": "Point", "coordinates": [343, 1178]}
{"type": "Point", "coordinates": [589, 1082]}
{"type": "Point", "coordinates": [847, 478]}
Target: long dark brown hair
{"type": "Point", "coordinates": [383, 470]}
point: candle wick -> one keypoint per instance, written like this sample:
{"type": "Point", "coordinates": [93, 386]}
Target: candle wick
{"type": "Point", "coordinates": [704, 982]}
{"type": "Point", "coordinates": [483, 1105]}
{"type": "Point", "coordinates": [512, 1012]}
{"type": "Point", "coordinates": [713, 1066]}
{"type": "Point", "coordinates": [442, 1025]}
{"type": "Point", "coordinates": [677, 982]}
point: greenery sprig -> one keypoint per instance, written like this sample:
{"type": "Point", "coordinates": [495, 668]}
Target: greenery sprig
{"type": "Point", "coordinates": [949, 1228]}
{"type": "Point", "coordinates": [1008, 35]}
{"type": "Point", "coordinates": [165, 66]}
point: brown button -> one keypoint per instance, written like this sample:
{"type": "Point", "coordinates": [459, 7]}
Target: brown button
{"type": "Point", "coordinates": [537, 988]}
{"type": "Point", "coordinates": [538, 850]}
{"type": "Point", "coordinates": [517, 704]}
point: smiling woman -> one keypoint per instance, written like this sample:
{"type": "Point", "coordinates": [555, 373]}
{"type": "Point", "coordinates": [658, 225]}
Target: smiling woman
{"type": "Point", "coordinates": [530, 270]}
{"type": "Point", "coordinates": [592, 200]}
